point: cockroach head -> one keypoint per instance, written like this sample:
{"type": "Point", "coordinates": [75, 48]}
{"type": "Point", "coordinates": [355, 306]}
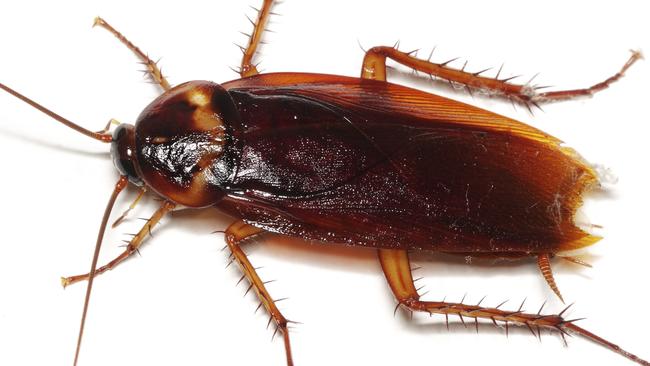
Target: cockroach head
{"type": "Point", "coordinates": [123, 152]}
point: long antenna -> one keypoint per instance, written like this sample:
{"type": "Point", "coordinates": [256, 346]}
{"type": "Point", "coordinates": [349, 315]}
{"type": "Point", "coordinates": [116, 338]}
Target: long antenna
{"type": "Point", "coordinates": [103, 137]}
{"type": "Point", "coordinates": [91, 275]}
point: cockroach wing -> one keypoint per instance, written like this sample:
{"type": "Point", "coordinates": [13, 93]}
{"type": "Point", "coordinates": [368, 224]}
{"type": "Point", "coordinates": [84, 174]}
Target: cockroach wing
{"type": "Point", "coordinates": [376, 164]}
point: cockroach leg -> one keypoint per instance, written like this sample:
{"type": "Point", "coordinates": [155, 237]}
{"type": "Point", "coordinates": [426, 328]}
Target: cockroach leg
{"type": "Point", "coordinates": [553, 96]}
{"type": "Point", "coordinates": [374, 67]}
{"type": "Point", "coordinates": [397, 269]}
{"type": "Point", "coordinates": [107, 128]}
{"type": "Point", "coordinates": [544, 263]}
{"type": "Point", "coordinates": [152, 67]}
{"type": "Point", "coordinates": [119, 220]}
{"type": "Point", "coordinates": [131, 248]}
{"type": "Point", "coordinates": [235, 234]}
{"type": "Point", "coordinates": [247, 67]}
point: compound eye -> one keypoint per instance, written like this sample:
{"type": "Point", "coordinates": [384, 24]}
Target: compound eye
{"type": "Point", "coordinates": [123, 152]}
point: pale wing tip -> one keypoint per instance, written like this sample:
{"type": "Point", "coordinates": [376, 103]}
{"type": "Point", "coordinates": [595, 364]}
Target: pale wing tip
{"type": "Point", "coordinates": [567, 248]}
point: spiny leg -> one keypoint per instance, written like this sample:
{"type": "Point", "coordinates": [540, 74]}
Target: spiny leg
{"type": "Point", "coordinates": [152, 67]}
{"type": "Point", "coordinates": [131, 248]}
{"type": "Point", "coordinates": [235, 234]}
{"type": "Point", "coordinates": [544, 264]}
{"type": "Point", "coordinates": [247, 68]}
{"type": "Point", "coordinates": [374, 67]}
{"type": "Point", "coordinates": [397, 269]}
{"type": "Point", "coordinates": [135, 202]}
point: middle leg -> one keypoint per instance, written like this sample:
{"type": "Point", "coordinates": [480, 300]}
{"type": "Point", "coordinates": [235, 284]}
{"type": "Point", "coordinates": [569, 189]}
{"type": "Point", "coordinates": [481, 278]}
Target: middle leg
{"type": "Point", "coordinates": [236, 233]}
{"type": "Point", "coordinates": [247, 67]}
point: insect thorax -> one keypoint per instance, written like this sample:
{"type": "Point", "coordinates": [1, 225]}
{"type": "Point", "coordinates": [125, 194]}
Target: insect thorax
{"type": "Point", "coordinates": [184, 144]}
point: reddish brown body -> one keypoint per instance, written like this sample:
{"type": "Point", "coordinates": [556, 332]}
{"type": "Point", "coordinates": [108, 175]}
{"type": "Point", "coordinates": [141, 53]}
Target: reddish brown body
{"type": "Point", "coordinates": [366, 163]}
{"type": "Point", "coordinates": [377, 164]}
{"type": "Point", "coordinates": [358, 161]}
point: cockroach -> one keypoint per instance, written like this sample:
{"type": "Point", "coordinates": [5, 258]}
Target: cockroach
{"type": "Point", "coordinates": [351, 133]}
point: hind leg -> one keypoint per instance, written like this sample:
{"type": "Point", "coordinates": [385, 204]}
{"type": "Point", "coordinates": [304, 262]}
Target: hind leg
{"type": "Point", "coordinates": [374, 67]}
{"type": "Point", "coordinates": [397, 269]}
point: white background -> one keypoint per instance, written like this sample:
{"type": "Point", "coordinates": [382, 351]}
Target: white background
{"type": "Point", "coordinates": [177, 305]}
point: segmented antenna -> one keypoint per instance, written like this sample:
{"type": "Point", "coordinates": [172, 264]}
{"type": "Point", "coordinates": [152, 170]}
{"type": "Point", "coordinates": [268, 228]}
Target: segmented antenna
{"type": "Point", "coordinates": [101, 136]}
{"type": "Point", "coordinates": [100, 236]}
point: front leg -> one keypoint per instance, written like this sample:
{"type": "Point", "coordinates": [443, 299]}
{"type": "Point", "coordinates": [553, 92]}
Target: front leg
{"type": "Point", "coordinates": [152, 67]}
{"type": "Point", "coordinates": [131, 248]}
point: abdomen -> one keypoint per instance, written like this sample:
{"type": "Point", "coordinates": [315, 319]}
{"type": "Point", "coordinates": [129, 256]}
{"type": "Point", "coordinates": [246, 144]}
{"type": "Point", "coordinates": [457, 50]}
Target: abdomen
{"type": "Point", "coordinates": [380, 165]}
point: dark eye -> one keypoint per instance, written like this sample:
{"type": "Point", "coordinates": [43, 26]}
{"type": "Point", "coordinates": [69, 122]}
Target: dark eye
{"type": "Point", "coordinates": [123, 152]}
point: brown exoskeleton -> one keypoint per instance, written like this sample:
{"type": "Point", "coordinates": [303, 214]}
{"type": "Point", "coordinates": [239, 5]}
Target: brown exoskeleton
{"type": "Point", "coordinates": [177, 200]}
